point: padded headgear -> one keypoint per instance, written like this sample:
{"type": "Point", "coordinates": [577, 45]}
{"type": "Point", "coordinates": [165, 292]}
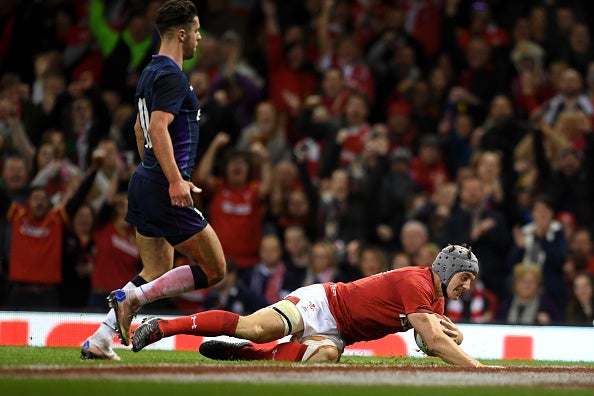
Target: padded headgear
{"type": "Point", "coordinates": [453, 259]}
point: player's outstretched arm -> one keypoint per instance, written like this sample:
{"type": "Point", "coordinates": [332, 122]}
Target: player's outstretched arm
{"type": "Point", "coordinates": [430, 328]}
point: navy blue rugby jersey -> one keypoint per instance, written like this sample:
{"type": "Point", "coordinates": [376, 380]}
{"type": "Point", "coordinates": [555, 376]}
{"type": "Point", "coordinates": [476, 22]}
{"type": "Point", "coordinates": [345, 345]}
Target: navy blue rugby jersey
{"type": "Point", "coordinates": [165, 87]}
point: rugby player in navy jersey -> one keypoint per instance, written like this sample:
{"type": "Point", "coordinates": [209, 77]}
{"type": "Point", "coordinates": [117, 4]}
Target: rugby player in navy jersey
{"type": "Point", "coordinates": [160, 203]}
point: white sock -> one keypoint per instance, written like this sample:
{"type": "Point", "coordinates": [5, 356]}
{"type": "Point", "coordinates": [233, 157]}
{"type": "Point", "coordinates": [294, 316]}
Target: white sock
{"type": "Point", "coordinates": [106, 331]}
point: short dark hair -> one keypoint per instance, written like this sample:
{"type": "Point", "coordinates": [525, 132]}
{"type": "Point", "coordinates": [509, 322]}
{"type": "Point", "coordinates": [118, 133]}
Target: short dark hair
{"type": "Point", "coordinates": [175, 13]}
{"type": "Point", "coordinates": [235, 153]}
{"type": "Point", "coordinates": [36, 187]}
{"type": "Point", "coordinates": [544, 199]}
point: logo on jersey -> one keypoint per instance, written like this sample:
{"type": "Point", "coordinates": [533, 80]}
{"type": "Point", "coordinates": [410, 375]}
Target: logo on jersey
{"type": "Point", "coordinates": [198, 115]}
{"type": "Point", "coordinates": [310, 306]}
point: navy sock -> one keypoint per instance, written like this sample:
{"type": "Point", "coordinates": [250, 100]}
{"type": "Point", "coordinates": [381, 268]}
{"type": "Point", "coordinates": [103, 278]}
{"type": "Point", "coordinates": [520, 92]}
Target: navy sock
{"type": "Point", "coordinates": [138, 281]}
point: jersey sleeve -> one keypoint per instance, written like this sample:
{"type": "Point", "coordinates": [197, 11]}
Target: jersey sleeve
{"type": "Point", "coordinates": [169, 93]}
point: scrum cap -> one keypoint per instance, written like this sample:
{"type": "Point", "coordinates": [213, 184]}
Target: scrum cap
{"type": "Point", "coordinates": [453, 259]}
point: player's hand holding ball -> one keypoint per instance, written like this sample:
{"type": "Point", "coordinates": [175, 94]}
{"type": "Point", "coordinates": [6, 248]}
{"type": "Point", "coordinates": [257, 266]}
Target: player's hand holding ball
{"type": "Point", "coordinates": [448, 327]}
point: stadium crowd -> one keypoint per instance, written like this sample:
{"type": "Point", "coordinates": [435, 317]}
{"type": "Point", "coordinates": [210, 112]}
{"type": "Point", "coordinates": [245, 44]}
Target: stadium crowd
{"type": "Point", "coordinates": [338, 139]}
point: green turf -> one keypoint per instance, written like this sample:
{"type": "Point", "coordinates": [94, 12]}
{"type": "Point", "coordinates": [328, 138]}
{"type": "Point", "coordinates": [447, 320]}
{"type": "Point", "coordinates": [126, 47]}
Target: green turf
{"type": "Point", "coordinates": [25, 356]}
{"type": "Point", "coordinates": [103, 388]}
{"type": "Point", "coordinates": [69, 357]}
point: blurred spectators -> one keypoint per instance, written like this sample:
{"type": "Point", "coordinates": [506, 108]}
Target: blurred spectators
{"type": "Point", "coordinates": [344, 52]}
{"type": "Point", "coordinates": [426, 255]}
{"type": "Point", "coordinates": [484, 228]}
{"type": "Point", "coordinates": [395, 198]}
{"type": "Point", "coordinates": [580, 51]}
{"type": "Point", "coordinates": [232, 294]}
{"type": "Point", "coordinates": [220, 114]}
{"type": "Point", "coordinates": [428, 169]}
{"type": "Point", "coordinates": [458, 135]}
{"type": "Point", "coordinates": [529, 303]}
{"type": "Point", "coordinates": [482, 25]}
{"type": "Point", "coordinates": [333, 92]}
{"type": "Point", "coordinates": [580, 309]}
{"type": "Point", "coordinates": [362, 123]}
{"type": "Point", "coordinates": [267, 277]}
{"type": "Point", "coordinates": [434, 211]}
{"type": "Point", "coordinates": [581, 254]}
{"type": "Point", "coordinates": [487, 166]}
{"type": "Point", "coordinates": [15, 179]}
{"type": "Point", "coordinates": [373, 261]}
{"type": "Point", "coordinates": [569, 96]}
{"type": "Point", "coordinates": [296, 256]}
{"type": "Point", "coordinates": [291, 77]}
{"type": "Point", "coordinates": [477, 306]}
{"type": "Point", "coordinates": [399, 260]}
{"type": "Point", "coordinates": [125, 52]}
{"type": "Point", "coordinates": [266, 129]}
{"type": "Point", "coordinates": [53, 170]}
{"type": "Point", "coordinates": [568, 178]}
{"type": "Point", "coordinates": [36, 252]}
{"type": "Point", "coordinates": [413, 236]}
{"type": "Point", "coordinates": [237, 92]}
{"type": "Point", "coordinates": [542, 242]}
{"type": "Point", "coordinates": [78, 260]}
{"type": "Point", "coordinates": [345, 142]}
{"type": "Point", "coordinates": [116, 258]}
{"type": "Point", "coordinates": [323, 265]}
{"type": "Point", "coordinates": [236, 201]}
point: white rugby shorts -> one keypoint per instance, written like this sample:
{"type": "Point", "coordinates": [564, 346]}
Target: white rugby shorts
{"type": "Point", "coordinates": [317, 318]}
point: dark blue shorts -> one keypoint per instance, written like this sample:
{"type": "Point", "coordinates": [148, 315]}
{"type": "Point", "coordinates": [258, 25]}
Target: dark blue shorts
{"type": "Point", "coordinates": [151, 212]}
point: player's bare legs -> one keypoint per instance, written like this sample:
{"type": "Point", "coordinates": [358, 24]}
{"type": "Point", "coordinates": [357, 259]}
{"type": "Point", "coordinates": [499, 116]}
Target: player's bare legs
{"type": "Point", "coordinates": [263, 326]}
{"type": "Point", "coordinates": [205, 250]}
{"type": "Point", "coordinates": [156, 255]}
{"type": "Point", "coordinates": [266, 325]}
{"type": "Point", "coordinates": [202, 248]}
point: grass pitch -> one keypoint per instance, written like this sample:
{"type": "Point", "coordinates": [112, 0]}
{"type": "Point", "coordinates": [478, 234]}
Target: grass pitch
{"type": "Point", "coordinates": [29, 358]}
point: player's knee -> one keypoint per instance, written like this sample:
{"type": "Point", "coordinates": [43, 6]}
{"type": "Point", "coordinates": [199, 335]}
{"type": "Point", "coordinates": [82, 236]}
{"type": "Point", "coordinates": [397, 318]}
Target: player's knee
{"type": "Point", "coordinates": [258, 334]}
{"type": "Point", "coordinates": [217, 276]}
{"type": "Point", "coordinates": [320, 350]}
{"type": "Point", "coordinates": [321, 354]}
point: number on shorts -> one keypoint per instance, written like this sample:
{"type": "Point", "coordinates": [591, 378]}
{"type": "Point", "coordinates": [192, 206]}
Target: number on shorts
{"type": "Point", "coordinates": [144, 117]}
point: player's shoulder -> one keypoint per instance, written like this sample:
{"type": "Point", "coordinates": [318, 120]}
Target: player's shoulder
{"type": "Point", "coordinates": [411, 274]}
{"type": "Point", "coordinates": [163, 66]}
{"type": "Point", "coordinates": [412, 270]}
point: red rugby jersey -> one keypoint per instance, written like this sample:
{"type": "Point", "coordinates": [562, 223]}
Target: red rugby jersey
{"type": "Point", "coordinates": [117, 259]}
{"type": "Point", "coordinates": [373, 307]}
{"type": "Point", "coordinates": [236, 215]}
{"type": "Point", "coordinates": [36, 250]}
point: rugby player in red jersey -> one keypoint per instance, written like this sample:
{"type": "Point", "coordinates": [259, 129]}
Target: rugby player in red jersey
{"type": "Point", "coordinates": [324, 318]}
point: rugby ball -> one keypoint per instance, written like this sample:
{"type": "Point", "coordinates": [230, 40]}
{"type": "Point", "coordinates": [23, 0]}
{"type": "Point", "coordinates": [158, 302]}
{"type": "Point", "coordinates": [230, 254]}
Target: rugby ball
{"type": "Point", "coordinates": [421, 343]}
